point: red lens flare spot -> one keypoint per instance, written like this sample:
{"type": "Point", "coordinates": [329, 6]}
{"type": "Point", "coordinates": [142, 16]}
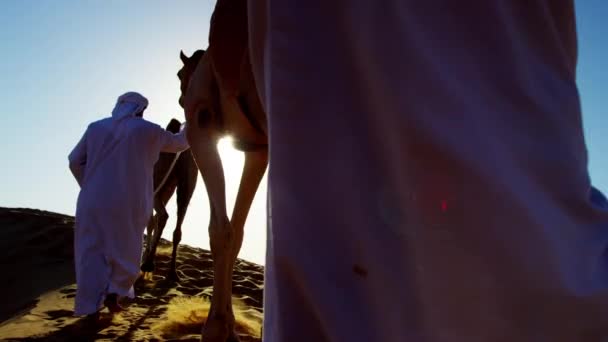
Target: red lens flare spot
{"type": "Point", "coordinates": [444, 206]}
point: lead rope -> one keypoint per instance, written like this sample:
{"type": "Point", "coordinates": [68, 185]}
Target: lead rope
{"type": "Point", "coordinates": [167, 174]}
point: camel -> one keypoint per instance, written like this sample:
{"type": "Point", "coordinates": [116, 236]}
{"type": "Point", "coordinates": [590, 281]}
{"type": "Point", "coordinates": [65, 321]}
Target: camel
{"type": "Point", "coordinates": [170, 174]}
{"type": "Point", "coordinates": [211, 114]}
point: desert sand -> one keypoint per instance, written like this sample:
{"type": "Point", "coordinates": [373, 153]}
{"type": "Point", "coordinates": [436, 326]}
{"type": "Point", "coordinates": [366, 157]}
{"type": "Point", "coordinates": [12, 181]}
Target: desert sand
{"type": "Point", "coordinates": [37, 289]}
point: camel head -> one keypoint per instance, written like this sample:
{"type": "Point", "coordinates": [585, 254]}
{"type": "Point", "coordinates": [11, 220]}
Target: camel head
{"type": "Point", "coordinates": [174, 126]}
{"type": "Point", "coordinates": [186, 71]}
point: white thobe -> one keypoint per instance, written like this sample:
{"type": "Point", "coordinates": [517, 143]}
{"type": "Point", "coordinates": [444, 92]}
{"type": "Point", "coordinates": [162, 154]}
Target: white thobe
{"type": "Point", "coordinates": [114, 165]}
{"type": "Point", "coordinates": [428, 173]}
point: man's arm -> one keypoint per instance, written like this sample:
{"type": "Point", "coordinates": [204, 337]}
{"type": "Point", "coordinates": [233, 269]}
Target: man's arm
{"type": "Point", "coordinates": [173, 143]}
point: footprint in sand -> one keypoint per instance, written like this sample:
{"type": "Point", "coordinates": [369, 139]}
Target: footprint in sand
{"type": "Point", "coordinates": [69, 292]}
{"type": "Point", "coordinates": [56, 314]}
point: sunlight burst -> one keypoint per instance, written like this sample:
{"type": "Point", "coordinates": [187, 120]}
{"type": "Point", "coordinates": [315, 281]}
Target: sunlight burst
{"type": "Point", "coordinates": [232, 159]}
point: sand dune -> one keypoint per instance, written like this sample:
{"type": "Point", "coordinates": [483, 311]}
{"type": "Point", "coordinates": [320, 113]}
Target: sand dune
{"type": "Point", "coordinates": [37, 294]}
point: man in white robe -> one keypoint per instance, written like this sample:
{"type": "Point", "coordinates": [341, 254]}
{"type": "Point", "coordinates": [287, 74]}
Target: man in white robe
{"type": "Point", "coordinates": [428, 173]}
{"type": "Point", "coordinates": [113, 164]}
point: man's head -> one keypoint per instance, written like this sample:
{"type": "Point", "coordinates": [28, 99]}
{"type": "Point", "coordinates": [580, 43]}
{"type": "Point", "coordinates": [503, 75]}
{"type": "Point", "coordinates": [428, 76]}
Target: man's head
{"type": "Point", "coordinates": [128, 105]}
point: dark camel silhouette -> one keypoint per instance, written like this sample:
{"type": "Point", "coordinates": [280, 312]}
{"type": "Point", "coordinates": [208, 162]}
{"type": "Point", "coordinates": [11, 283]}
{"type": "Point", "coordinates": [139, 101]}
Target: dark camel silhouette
{"type": "Point", "coordinates": [181, 178]}
{"type": "Point", "coordinates": [212, 114]}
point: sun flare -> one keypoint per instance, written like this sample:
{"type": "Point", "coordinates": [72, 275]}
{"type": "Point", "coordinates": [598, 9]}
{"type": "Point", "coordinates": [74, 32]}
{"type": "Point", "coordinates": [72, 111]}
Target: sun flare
{"type": "Point", "coordinates": [232, 159]}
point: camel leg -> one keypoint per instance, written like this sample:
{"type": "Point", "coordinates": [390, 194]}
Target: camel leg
{"type": "Point", "coordinates": [253, 171]}
{"type": "Point", "coordinates": [184, 194]}
{"type": "Point", "coordinates": [203, 144]}
{"type": "Point", "coordinates": [149, 231]}
{"type": "Point", "coordinates": [177, 238]}
{"type": "Point", "coordinates": [161, 220]}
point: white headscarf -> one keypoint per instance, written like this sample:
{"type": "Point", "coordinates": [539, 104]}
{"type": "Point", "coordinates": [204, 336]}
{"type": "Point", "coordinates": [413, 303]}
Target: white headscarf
{"type": "Point", "coordinates": [129, 104]}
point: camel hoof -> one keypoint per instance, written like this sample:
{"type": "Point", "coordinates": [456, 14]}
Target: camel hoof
{"type": "Point", "coordinates": [233, 337]}
{"type": "Point", "coordinates": [216, 330]}
{"type": "Point", "coordinates": [172, 276]}
{"type": "Point", "coordinates": [148, 267]}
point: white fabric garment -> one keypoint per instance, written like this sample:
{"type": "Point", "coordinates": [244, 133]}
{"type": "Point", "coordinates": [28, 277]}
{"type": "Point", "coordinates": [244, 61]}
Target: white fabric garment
{"type": "Point", "coordinates": [428, 173]}
{"type": "Point", "coordinates": [113, 163]}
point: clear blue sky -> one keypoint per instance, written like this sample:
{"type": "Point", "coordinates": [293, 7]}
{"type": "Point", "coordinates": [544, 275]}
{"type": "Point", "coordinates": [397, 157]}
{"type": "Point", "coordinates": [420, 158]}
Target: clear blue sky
{"type": "Point", "coordinates": [64, 63]}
